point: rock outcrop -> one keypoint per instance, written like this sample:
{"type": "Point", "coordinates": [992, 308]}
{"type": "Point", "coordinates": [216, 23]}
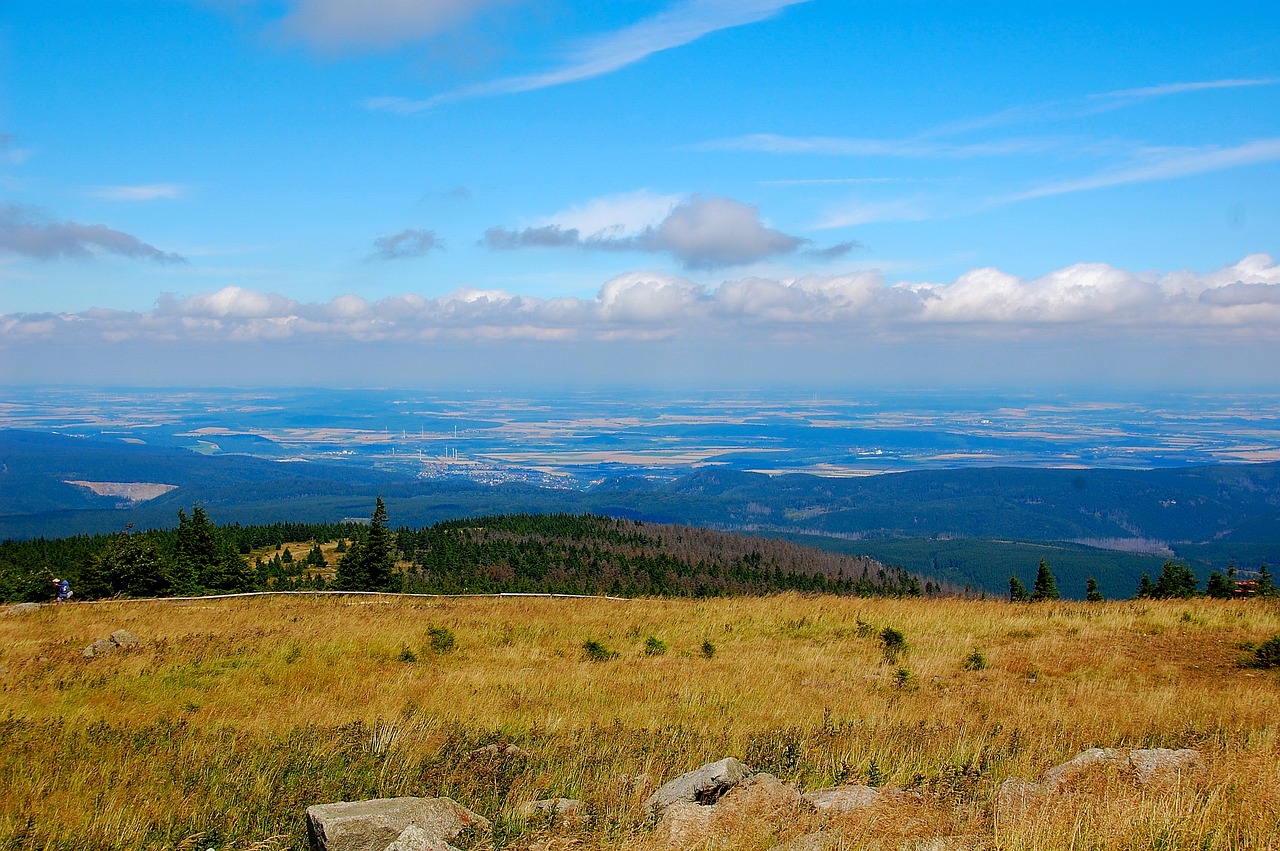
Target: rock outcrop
{"type": "Point", "coordinates": [22, 609]}
{"type": "Point", "coordinates": [383, 824]}
{"type": "Point", "coordinates": [1144, 766]}
{"type": "Point", "coordinates": [103, 646]}
{"type": "Point", "coordinates": [705, 785]}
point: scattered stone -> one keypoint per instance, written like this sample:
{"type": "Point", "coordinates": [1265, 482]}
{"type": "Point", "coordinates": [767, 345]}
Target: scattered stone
{"type": "Point", "coordinates": [498, 751]}
{"type": "Point", "coordinates": [763, 792]}
{"type": "Point", "coordinates": [704, 786]}
{"type": "Point", "coordinates": [101, 647]}
{"type": "Point", "coordinates": [21, 609]}
{"type": "Point", "coordinates": [414, 838]}
{"type": "Point", "coordinates": [1144, 765]}
{"type": "Point", "coordinates": [1152, 764]}
{"type": "Point", "coordinates": [682, 823]}
{"type": "Point", "coordinates": [123, 638]}
{"type": "Point", "coordinates": [843, 799]}
{"type": "Point", "coordinates": [377, 824]}
{"type": "Point", "coordinates": [1064, 775]}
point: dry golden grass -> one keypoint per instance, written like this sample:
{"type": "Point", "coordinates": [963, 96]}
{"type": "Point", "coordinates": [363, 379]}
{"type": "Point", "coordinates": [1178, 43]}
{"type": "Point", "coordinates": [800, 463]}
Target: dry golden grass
{"type": "Point", "coordinates": [231, 716]}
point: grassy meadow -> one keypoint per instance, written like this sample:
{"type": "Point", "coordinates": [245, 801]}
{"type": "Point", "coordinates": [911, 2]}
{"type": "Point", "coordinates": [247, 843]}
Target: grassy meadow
{"type": "Point", "coordinates": [231, 716]}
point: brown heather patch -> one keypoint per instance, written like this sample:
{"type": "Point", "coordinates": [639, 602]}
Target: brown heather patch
{"type": "Point", "coordinates": [232, 716]}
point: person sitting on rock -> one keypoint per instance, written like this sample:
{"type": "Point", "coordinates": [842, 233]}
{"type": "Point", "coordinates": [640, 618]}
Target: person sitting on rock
{"type": "Point", "coordinates": [63, 589]}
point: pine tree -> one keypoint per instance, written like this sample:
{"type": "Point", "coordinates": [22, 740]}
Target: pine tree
{"type": "Point", "coordinates": [1176, 581]}
{"type": "Point", "coordinates": [1266, 585]}
{"type": "Point", "coordinates": [1145, 588]}
{"type": "Point", "coordinates": [369, 564]}
{"type": "Point", "coordinates": [1017, 591]}
{"type": "Point", "coordinates": [1218, 586]}
{"type": "Point", "coordinates": [1091, 592]}
{"type": "Point", "coordinates": [1046, 587]}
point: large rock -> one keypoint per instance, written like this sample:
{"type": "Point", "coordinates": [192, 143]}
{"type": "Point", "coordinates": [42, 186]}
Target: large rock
{"type": "Point", "coordinates": [1153, 764]}
{"type": "Point", "coordinates": [843, 799]}
{"type": "Point", "coordinates": [101, 647]}
{"type": "Point", "coordinates": [706, 785]}
{"type": "Point", "coordinates": [123, 638]}
{"type": "Point", "coordinates": [22, 609]}
{"type": "Point", "coordinates": [1064, 775]}
{"type": "Point", "coordinates": [762, 793]}
{"type": "Point", "coordinates": [414, 838]}
{"type": "Point", "coordinates": [1016, 797]}
{"type": "Point", "coordinates": [683, 823]}
{"type": "Point", "coordinates": [374, 825]}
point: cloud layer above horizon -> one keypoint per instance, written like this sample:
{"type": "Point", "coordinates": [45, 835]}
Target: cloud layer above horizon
{"type": "Point", "coordinates": [1079, 301]}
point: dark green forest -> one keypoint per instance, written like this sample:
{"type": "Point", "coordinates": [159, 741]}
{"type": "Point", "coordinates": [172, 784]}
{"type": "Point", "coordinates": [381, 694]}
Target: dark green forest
{"type": "Point", "coordinates": [557, 553]}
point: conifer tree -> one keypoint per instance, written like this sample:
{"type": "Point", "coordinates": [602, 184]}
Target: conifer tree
{"type": "Point", "coordinates": [1017, 591]}
{"type": "Point", "coordinates": [1046, 587]}
{"type": "Point", "coordinates": [1091, 592]}
{"type": "Point", "coordinates": [370, 564]}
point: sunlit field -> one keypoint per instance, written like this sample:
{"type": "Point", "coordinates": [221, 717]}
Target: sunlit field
{"type": "Point", "coordinates": [231, 716]}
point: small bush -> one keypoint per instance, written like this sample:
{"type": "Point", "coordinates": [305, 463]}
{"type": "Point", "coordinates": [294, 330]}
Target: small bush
{"type": "Point", "coordinates": [863, 629]}
{"type": "Point", "coordinates": [407, 654]}
{"type": "Point", "coordinates": [1267, 654]}
{"type": "Point", "coordinates": [708, 649]}
{"type": "Point", "coordinates": [594, 651]}
{"type": "Point", "coordinates": [893, 643]}
{"type": "Point", "coordinates": [975, 661]}
{"type": "Point", "coordinates": [654, 646]}
{"type": "Point", "coordinates": [902, 677]}
{"type": "Point", "coordinates": [441, 639]}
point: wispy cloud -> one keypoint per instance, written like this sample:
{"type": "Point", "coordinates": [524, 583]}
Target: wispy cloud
{"type": "Point", "coordinates": [1163, 165]}
{"type": "Point", "coordinates": [143, 192]}
{"type": "Point", "coordinates": [915, 148]}
{"type": "Point", "coordinates": [29, 232]}
{"type": "Point", "coordinates": [683, 23]}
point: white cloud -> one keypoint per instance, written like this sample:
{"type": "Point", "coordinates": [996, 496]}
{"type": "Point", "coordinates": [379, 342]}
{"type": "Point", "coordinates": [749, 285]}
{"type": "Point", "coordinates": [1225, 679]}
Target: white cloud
{"type": "Point", "coordinates": [144, 192]}
{"type": "Point", "coordinates": [412, 242]}
{"type": "Point", "coordinates": [625, 214]}
{"type": "Point", "coordinates": [1081, 303]}
{"type": "Point", "coordinates": [840, 146]}
{"type": "Point", "coordinates": [683, 23]}
{"type": "Point", "coordinates": [701, 233]}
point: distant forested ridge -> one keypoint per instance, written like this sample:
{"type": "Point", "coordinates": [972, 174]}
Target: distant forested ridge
{"type": "Point", "coordinates": [556, 553]}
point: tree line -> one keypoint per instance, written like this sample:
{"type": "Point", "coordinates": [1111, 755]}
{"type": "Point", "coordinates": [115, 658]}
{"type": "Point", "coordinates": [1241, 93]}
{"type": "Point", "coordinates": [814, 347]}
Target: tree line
{"type": "Point", "coordinates": [555, 553]}
{"type": "Point", "coordinates": [1176, 581]}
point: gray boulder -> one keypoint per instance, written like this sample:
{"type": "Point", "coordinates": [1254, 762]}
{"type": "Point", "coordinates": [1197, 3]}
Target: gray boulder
{"type": "Point", "coordinates": [1063, 775]}
{"type": "Point", "coordinates": [101, 647]}
{"type": "Point", "coordinates": [843, 799]}
{"type": "Point", "coordinates": [683, 823]}
{"type": "Point", "coordinates": [22, 609]}
{"type": "Point", "coordinates": [123, 638]}
{"type": "Point", "coordinates": [414, 838]}
{"type": "Point", "coordinates": [705, 785]}
{"type": "Point", "coordinates": [375, 825]}
{"type": "Point", "coordinates": [1152, 764]}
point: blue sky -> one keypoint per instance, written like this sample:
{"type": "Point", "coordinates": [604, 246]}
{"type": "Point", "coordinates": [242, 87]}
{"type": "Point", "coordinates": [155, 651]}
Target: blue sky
{"type": "Point", "coordinates": [707, 191]}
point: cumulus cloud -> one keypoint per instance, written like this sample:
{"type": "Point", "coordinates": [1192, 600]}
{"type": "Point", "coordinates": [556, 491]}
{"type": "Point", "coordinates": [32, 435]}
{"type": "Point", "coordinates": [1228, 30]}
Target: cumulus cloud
{"type": "Point", "coordinates": [28, 232]}
{"type": "Point", "coordinates": [701, 233]}
{"type": "Point", "coordinates": [340, 25]}
{"type": "Point", "coordinates": [1087, 301]}
{"type": "Point", "coordinates": [407, 243]}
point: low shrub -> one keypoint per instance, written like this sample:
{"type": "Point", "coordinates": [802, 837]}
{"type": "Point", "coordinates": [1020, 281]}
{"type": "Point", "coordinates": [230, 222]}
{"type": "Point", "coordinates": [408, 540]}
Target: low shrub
{"type": "Point", "coordinates": [654, 646]}
{"type": "Point", "coordinates": [594, 651]}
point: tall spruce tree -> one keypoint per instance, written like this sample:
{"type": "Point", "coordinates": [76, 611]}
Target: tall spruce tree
{"type": "Point", "coordinates": [1046, 587]}
{"type": "Point", "coordinates": [370, 564]}
{"type": "Point", "coordinates": [1091, 592]}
